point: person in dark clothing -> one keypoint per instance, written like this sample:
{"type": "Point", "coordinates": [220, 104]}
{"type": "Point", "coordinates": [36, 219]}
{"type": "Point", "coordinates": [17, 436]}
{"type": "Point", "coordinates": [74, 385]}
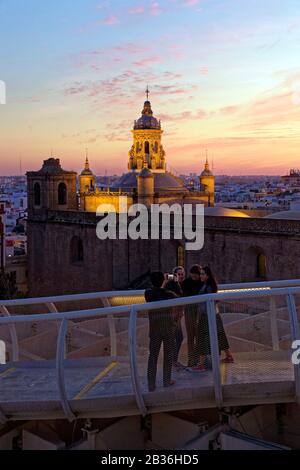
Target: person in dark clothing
{"type": "Point", "coordinates": [191, 286]}
{"type": "Point", "coordinates": [161, 331]}
{"type": "Point", "coordinates": [203, 340]}
{"type": "Point", "coordinates": [175, 285]}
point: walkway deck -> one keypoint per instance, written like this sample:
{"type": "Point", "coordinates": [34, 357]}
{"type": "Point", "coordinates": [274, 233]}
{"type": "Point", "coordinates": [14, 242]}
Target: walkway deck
{"type": "Point", "coordinates": [102, 388]}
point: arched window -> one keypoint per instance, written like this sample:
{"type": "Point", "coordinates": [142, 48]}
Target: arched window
{"type": "Point", "coordinates": [137, 147]}
{"type": "Point", "coordinates": [62, 194]}
{"type": "Point", "coordinates": [37, 194]}
{"type": "Point", "coordinates": [180, 256]}
{"type": "Point", "coordinates": [156, 147]}
{"type": "Point", "coordinates": [261, 266]}
{"type": "Point", "coordinates": [77, 253]}
{"type": "Point", "coordinates": [147, 148]}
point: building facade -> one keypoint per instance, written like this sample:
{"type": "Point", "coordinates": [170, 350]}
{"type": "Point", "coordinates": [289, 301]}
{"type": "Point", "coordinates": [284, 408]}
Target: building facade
{"type": "Point", "coordinates": [65, 255]}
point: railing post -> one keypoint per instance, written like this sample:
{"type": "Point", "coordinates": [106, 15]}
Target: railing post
{"type": "Point", "coordinates": [214, 348]}
{"type": "Point", "coordinates": [295, 336]}
{"type": "Point", "coordinates": [60, 371]}
{"type": "Point", "coordinates": [274, 324]}
{"type": "Point", "coordinates": [52, 309]}
{"type": "Point", "coordinates": [112, 331]}
{"type": "Point", "coordinates": [133, 363]}
{"type": "Point", "coordinates": [13, 335]}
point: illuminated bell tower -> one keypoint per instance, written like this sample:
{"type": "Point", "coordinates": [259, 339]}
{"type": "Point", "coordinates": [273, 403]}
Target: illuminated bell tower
{"type": "Point", "coordinates": [207, 180]}
{"type": "Point", "coordinates": [147, 147]}
{"type": "Point", "coordinates": [87, 179]}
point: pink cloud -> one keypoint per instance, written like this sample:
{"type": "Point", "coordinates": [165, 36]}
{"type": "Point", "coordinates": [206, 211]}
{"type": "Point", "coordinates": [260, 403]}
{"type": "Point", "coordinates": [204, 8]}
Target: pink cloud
{"type": "Point", "coordinates": [229, 109]}
{"type": "Point", "coordinates": [155, 9]}
{"type": "Point", "coordinates": [147, 61]}
{"type": "Point", "coordinates": [138, 10]}
{"type": "Point", "coordinates": [184, 116]}
{"type": "Point", "coordinates": [190, 3]}
{"type": "Point", "coordinates": [111, 20]}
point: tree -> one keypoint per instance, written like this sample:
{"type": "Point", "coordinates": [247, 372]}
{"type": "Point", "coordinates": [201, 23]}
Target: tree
{"type": "Point", "coordinates": [8, 285]}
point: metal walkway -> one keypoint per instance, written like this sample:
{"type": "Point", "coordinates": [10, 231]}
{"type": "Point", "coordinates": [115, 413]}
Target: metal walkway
{"type": "Point", "coordinates": [113, 383]}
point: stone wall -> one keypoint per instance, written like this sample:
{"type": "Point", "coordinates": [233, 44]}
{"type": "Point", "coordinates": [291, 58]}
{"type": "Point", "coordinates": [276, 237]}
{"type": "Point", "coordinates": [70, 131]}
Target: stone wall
{"type": "Point", "coordinates": [231, 249]}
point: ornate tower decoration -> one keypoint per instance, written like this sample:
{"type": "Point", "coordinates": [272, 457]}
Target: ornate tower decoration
{"type": "Point", "coordinates": [207, 180]}
{"type": "Point", "coordinates": [147, 150]}
{"type": "Point", "coordinates": [87, 178]}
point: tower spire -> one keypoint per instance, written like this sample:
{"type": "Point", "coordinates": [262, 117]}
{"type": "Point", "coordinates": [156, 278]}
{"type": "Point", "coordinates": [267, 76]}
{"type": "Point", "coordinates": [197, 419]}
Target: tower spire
{"type": "Point", "coordinates": [87, 164]}
{"type": "Point", "coordinates": [206, 162]}
{"type": "Point", "coordinates": [147, 92]}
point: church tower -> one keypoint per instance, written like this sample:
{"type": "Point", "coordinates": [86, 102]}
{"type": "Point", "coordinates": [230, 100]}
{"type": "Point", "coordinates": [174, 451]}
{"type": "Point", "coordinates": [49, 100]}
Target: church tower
{"type": "Point", "coordinates": [87, 179]}
{"type": "Point", "coordinates": [147, 146]}
{"type": "Point", "coordinates": [207, 181]}
{"type": "Point", "coordinates": [51, 188]}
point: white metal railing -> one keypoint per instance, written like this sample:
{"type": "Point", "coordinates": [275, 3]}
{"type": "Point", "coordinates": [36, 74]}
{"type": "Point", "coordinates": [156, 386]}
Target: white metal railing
{"type": "Point", "coordinates": [236, 292]}
{"type": "Point", "coordinates": [108, 297]}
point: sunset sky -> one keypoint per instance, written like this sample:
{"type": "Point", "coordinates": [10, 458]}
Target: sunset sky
{"type": "Point", "coordinates": [223, 75]}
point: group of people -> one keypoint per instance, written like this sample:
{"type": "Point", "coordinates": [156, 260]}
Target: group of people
{"type": "Point", "coordinates": [165, 324]}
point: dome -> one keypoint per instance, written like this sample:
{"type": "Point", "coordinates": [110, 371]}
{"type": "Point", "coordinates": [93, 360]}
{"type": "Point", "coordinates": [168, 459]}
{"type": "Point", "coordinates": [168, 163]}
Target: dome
{"type": "Point", "coordinates": [218, 211]}
{"type": "Point", "coordinates": [145, 173]}
{"type": "Point", "coordinates": [287, 215]}
{"type": "Point", "coordinates": [163, 182]}
{"type": "Point", "coordinates": [87, 171]}
{"type": "Point", "coordinates": [52, 166]}
{"type": "Point", "coordinates": [147, 121]}
{"type": "Point", "coordinates": [206, 171]}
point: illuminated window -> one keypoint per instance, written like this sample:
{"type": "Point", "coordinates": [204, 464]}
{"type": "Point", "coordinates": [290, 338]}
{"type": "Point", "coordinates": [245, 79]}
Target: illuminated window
{"type": "Point", "coordinates": [180, 256]}
{"type": "Point", "coordinates": [62, 194]}
{"type": "Point", "coordinates": [37, 194]}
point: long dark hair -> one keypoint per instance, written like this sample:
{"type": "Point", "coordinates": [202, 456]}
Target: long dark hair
{"type": "Point", "coordinates": [211, 281]}
{"type": "Point", "coordinates": [195, 269]}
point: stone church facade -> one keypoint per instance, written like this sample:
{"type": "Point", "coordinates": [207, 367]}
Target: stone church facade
{"type": "Point", "coordinates": [65, 255]}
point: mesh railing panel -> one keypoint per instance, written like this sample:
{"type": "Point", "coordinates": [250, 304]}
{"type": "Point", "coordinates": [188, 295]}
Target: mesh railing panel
{"type": "Point", "coordinates": [259, 335]}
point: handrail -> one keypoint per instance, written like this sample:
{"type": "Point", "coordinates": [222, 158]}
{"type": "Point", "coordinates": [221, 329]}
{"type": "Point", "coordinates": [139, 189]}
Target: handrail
{"type": "Point", "coordinates": [79, 314]}
{"type": "Point", "coordinates": [71, 298]}
{"type": "Point", "coordinates": [133, 293]}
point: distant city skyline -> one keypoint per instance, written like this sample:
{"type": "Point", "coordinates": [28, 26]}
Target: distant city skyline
{"type": "Point", "coordinates": [223, 76]}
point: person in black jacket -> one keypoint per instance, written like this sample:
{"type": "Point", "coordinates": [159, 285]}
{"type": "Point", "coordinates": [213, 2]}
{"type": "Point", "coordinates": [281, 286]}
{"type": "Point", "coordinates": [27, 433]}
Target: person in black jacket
{"type": "Point", "coordinates": [161, 331]}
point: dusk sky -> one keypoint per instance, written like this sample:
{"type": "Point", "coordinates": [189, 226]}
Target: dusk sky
{"type": "Point", "coordinates": [224, 75]}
